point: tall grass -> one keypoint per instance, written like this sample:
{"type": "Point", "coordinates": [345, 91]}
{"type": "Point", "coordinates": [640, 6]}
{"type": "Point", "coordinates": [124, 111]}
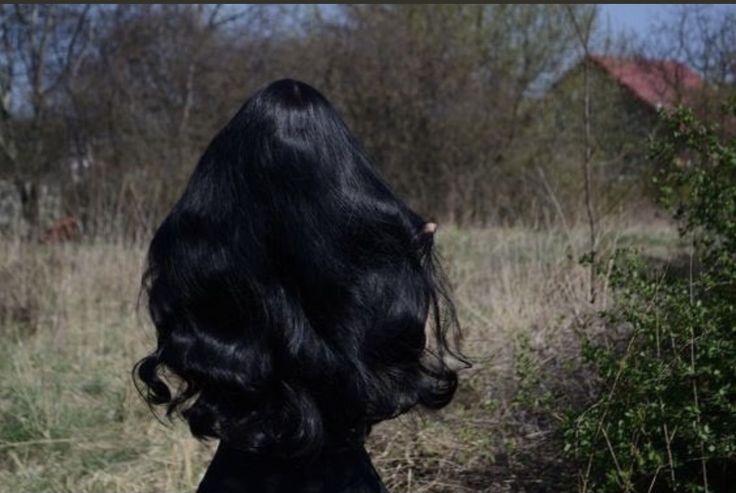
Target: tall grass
{"type": "Point", "coordinates": [71, 420]}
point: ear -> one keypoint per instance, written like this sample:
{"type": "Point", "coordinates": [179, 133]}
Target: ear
{"type": "Point", "coordinates": [429, 228]}
{"type": "Point", "coordinates": [424, 238]}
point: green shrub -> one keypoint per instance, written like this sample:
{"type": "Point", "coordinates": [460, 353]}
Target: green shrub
{"type": "Point", "coordinates": [664, 418]}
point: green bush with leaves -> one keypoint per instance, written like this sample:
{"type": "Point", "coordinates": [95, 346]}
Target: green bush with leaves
{"type": "Point", "coordinates": [665, 415]}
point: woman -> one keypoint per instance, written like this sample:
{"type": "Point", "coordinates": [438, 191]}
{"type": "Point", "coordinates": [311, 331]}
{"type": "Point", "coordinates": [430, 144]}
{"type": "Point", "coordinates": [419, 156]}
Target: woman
{"type": "Point", "coordinates": [297, 302]}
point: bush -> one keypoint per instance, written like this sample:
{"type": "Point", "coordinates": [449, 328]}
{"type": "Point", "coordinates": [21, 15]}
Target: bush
{"type": "Point", "coordinates": [665, 414]}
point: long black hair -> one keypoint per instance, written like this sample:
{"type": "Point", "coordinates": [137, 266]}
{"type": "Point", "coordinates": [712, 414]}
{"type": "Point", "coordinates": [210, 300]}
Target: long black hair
{"type": "Point", "coordinates": [289, 287]}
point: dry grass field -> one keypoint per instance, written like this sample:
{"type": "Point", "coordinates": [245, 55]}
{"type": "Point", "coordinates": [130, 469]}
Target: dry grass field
{"type": "Point", "coordinates": [71, 420]}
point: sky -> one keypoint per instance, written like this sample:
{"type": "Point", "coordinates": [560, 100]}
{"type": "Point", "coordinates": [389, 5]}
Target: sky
{"type": "Point", "coordinates": [638, 17]}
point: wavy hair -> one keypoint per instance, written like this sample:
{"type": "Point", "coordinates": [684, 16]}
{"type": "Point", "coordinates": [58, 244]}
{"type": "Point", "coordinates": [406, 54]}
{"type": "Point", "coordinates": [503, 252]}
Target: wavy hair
{"type": "Point", "coordinates": [289, 287]}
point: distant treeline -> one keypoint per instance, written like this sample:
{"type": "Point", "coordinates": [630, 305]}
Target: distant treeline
{"type": "Point", "coordinates": [114, 103]}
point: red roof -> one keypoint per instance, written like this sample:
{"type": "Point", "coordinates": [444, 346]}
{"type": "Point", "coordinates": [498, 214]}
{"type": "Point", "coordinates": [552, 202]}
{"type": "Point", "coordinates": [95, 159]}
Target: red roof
{"type": "Point", "coordinates": [656, 82]}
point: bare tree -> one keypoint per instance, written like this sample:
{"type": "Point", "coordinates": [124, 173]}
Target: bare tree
{"type": "Point", "coordinates": [584, 29]}
{"type": "Point", "coordinates": [42, 48]}
{"type": "Point", "coordinates": [439, 94]}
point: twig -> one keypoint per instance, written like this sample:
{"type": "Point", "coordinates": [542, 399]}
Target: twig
{"type": "Point", "coordinates": [693, 380]}
{"type": "Point", "coordinates": [615, 460]}
{"type": "Point", "coordinates": [584, 38]}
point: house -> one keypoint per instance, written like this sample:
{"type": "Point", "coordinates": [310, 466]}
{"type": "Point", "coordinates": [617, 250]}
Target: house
{"type": "Point", "coordinates": [625, 96]}
{"type": "Point", "coordinates": [653, 83]}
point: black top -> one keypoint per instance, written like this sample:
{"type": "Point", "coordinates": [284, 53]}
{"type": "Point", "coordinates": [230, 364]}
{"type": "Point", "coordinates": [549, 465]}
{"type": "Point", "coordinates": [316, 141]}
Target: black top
{"type": "Point", "coordinates": [336, 470]}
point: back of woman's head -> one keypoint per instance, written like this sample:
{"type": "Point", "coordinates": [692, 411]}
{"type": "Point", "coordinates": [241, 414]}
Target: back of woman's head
{"type": "Point", "coordinates": [290, 287]}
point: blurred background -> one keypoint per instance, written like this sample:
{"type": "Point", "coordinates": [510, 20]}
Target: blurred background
{"type": "Point", "coordinates": [525, 131]}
